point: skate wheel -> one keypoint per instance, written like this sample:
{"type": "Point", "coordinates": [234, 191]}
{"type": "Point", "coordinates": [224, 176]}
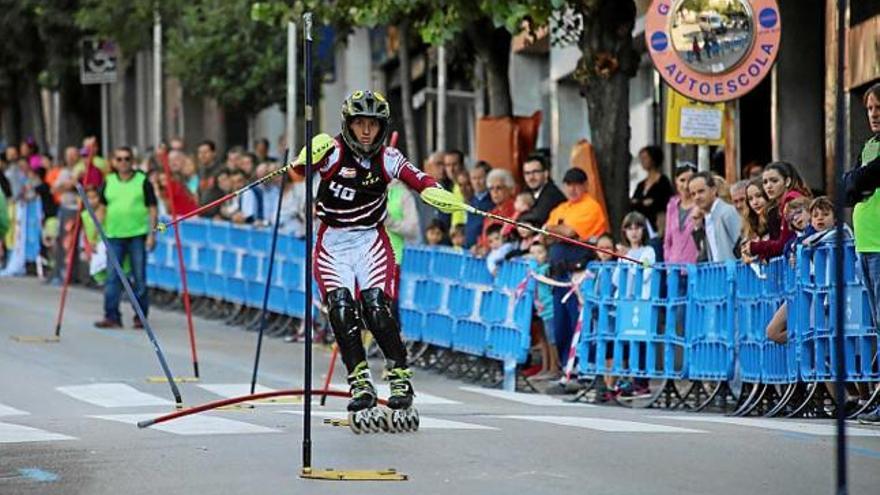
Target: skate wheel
{"type": "Point", "coordinates": [354, 423]}
{"type": "Point", "coordinates": [414, 419]}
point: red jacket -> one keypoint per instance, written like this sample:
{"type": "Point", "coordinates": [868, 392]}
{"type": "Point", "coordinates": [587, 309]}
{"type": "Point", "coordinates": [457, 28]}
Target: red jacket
{"type": "Point", "coordinates": [774, 246]}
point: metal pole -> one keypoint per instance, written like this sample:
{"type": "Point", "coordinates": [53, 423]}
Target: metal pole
{"type": "Point", "coordinates": [268, 286]}
{"type": "Point", "coordinates": [307, 320]}
{"type": "Point", "coordinates": [181, 265]}
{"type": "Point", "coordinates": [839, 283]}
{"type": "Point", "coordinates": [441, 97]}
{"type": "Point", "coordinates": [157, 79]}
{"type": "Point", "coordinates": [116, 266]}
{"type": "Point", "coordinates": [703, 164]}
{"type": "Point", "coordinates": [68, 271]}
{"type": "Point", "coordinates": [291, 86]}
{"type": "Point", "coordinates": [105, 120]}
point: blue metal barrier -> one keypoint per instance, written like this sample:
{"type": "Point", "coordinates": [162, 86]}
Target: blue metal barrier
{"type": "Point", "coordinates": [634, 319]}
{"type": "Point", "coordinates": [668, 321]}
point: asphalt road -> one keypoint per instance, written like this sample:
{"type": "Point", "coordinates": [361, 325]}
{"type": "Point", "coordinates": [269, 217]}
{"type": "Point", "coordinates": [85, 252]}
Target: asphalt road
{"type": "Point", "coordinates": [67, 412]}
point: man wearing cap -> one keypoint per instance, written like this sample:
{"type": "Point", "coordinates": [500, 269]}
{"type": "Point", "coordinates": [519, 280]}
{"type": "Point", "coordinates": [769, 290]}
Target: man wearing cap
{"type": "Point", "coordinates": [579, 217]}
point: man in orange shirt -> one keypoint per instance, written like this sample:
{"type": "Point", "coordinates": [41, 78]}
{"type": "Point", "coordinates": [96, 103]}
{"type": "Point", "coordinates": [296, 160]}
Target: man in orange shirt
{"type": "Point", "coordinates": [580, 217]}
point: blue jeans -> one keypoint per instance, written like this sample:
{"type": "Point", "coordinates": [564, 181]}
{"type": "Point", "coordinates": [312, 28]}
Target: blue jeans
{"type": "Point", "coordinates": [871, 276]}
{"type": "Point", "coordinates": [135, 248]}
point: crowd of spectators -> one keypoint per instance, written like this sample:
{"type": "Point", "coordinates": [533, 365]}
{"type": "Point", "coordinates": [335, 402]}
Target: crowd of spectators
{"type": "Point", "coordinates": [692, 218]}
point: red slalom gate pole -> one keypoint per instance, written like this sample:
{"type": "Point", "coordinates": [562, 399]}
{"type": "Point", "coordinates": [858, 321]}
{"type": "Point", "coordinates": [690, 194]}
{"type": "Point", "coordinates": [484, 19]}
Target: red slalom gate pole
{"type": "Point", "coordinates": [68, 271]}
{"type": "Point", "coordinates": [181, 265]}
{"type": "Point", "coordinates": [333, 356]}
{"type": "Point", "coordinates": [237, 400]}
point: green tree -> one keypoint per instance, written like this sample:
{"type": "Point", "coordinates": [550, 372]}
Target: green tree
{"type": "Point", "coordinates": [39, 50]}
{"type": "Point", "coordinates": [218, 51]}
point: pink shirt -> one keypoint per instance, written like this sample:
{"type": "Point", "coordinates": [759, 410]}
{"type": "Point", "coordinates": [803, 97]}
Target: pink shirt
{"type": "Point", "coordinates": [678, 243]}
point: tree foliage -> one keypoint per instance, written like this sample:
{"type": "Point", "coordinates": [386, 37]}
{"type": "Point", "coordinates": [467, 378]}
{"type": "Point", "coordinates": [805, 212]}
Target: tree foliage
{"type": "Point", "coordinates": [217, 50]}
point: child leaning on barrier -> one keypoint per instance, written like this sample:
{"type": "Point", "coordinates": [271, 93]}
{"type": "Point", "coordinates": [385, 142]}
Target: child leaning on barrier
{"type": "Point", "coordinates": [814, 221]}
{"type": "Point", "coordinates": [544, 310]}
{"type": "Point", "coordinates": [498, 249]}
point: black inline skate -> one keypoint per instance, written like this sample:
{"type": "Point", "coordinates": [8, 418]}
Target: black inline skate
{"type": "Point", "coordinates": [363, 415]}
{"type": "Point", "coordinates": [402, 416]}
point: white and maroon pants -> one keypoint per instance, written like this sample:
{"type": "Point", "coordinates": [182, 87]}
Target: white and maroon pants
{"type": "Point", "coordinates": [356, 260]}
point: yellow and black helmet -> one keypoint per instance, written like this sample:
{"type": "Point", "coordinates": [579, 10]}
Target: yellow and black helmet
{"type": "Point", "coordinates": [365, 104]}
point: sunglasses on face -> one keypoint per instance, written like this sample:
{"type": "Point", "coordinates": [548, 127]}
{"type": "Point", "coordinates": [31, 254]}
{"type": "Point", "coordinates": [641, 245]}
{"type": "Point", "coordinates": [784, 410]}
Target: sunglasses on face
{"type": "Point", "coordinates": [496, 188]}
{"type": "Point", "coordinates": [122, 158]}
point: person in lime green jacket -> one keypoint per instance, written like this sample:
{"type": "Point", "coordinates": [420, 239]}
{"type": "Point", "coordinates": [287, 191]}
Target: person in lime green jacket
{"type": "Point", "coordinates": [862, 187]}
{"type": "Point", "coordinates": [131, 211]}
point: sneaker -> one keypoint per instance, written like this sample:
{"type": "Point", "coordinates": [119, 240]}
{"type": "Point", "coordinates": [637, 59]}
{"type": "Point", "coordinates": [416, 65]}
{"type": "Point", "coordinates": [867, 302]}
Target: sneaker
{"type": "Point", "coordinates": [137, 324]}
{"type": "Point", "coordinates": [107, 323]}
{"type": "Point", "coordinates": [640, 390]}
{"type": "Point", "coordinates": [624, 389]}
{"type": "Point", "coordinates": [871, 418]}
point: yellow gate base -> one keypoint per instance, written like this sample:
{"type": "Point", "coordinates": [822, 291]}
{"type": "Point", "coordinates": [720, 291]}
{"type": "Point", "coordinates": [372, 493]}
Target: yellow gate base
{"type": "Point", "coordinates": [353, 475]}
{"type": "Point", "coordinates": [35, 339]}
{"type": "Point", "coordinates": [177, 379]}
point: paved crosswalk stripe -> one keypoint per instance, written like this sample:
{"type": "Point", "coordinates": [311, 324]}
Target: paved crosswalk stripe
{"type": "Point", "coordinates": [112, 395]}
{"type": "Point", "coordinates": [522, 398]}
{"type": "Point", "coordinates": [424, 422]}
{"type": "Point", "coordinates": [10, 433]}
{"type": "Point", "coordinates": [11, 411]}
{"type": "Point", "coordinates": [818, 429]}
{"type": "Point", "coordinates": [602, 424]}
{"type": "Point", "coordinates": [230, 390]}
{"type": "Point", "coordinates": [192, 425]}
{"type": "Point", "coordinates": [422, 398]}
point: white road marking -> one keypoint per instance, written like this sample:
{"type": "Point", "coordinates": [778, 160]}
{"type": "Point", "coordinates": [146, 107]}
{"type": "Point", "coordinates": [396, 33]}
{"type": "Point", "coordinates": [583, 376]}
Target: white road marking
{"type": "Point", "coordinates": [422, 398]}
{"type": "Point", "coordinates": [11, 411]}
{"type": "Point", "coordinates": [424, 422]}
{"type": "Point", "coordinates": [230, 390]}
{"type": "Point", "coordinates": [112, 395]}
{"type": "Point", "coordinates": [602, 424]}
{"type": "Point", "coordinates": [522, 398]}
{"type": "Point", "coordinates": [10, 433]}
{"type": "Point", "coordinates": [817, 429]}
{"type": "Point", "coordinates": [192, 425]}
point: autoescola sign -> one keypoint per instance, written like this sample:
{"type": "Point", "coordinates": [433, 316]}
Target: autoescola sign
{"type": "Point", "coordinates": [713, 50]}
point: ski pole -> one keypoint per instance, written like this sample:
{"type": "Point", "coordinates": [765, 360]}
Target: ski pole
{"type": "Point", "coordinates": [446, 202]}
{"type": "Point", "coordinates": [162, 227]}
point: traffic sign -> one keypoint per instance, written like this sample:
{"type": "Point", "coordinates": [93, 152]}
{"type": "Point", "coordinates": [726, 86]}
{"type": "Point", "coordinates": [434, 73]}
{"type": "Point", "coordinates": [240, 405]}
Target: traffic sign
{"type": "Point", "coordinates": [98, 61]}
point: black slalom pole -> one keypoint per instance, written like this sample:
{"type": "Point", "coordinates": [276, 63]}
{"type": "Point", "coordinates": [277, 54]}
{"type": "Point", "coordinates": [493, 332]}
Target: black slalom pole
{"type": "Point", "coordinates": [117, 267]}
{"type": "Point", "coordinates": [269, 276]}
{"type": "Point", "coordinates": [307, 319]}
{"type": "Point", "coordinates": [839, 283]}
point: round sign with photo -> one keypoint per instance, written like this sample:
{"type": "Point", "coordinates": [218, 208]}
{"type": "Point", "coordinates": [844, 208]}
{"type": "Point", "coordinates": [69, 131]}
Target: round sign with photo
{"type": "Point", "coordinates": [713, 50]}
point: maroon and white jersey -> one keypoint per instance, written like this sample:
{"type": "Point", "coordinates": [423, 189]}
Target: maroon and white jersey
{"type": "Point", "coordinates": [353, 191]}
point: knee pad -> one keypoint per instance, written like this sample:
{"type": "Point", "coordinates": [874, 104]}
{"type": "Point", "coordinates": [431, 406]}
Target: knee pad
{"type": "Point", "coordinates": [383, 325]}
{"type": "Point", "coordinates": [345, 323]}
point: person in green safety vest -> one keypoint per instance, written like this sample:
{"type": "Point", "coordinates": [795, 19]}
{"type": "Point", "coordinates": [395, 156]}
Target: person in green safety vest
{"type": "Point", "coordinates": [862, 188]}
{"type": "Point", "coordinates": [130, 211]}
{"type": "Point", "coordinates": [402, 222]}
